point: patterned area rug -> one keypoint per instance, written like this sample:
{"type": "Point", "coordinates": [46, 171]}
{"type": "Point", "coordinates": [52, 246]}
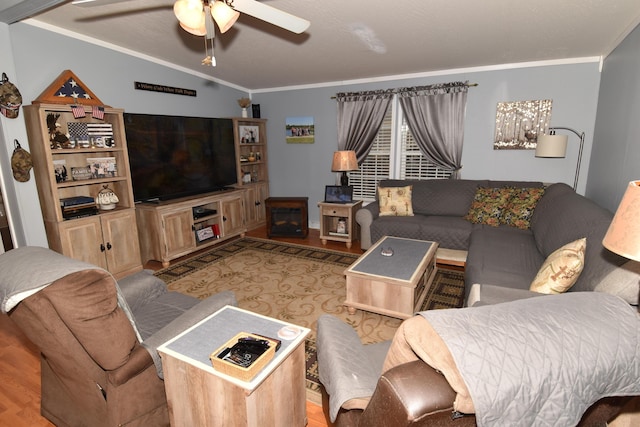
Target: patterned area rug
{"type": "Point", "coordinates": [296, 284]}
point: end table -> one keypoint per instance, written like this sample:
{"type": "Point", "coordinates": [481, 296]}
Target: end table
{"type": "Point", "coordinates": [199, 395]}
{"type": "Point", "coordinates": [338, 222]}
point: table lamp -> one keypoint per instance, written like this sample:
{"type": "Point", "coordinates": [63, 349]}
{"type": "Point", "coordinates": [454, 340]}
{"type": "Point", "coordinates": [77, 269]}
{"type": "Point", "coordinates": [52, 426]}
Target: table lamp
{"type": "Point", "coordinates": [344, 161]}
{"type": "Point", "coordinates": [623, 236]}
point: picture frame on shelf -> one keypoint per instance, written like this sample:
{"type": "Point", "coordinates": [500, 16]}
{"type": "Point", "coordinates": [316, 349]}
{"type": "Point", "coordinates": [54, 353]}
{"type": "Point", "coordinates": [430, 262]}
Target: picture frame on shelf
{"type": "Point", "coordinates": [249, 134]}
{"type": "Point", "coordinates": [60, 170]}
{"type": "Point", "coordinates": [102, 167]}
{"type": "Point", "coordinates": [80, 173]}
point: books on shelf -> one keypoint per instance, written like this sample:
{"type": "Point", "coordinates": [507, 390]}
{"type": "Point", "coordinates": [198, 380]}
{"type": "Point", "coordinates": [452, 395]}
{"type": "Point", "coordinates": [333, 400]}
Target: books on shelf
{"type": "Point", "coordinates": [77, 200]}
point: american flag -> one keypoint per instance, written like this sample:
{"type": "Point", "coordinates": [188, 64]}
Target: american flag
{"type": "Point", "coordinates": [71, 89]}
{"type": "Point", "coordinates": [78, 111]}
{"type": "Point", "coordinates": [98, 112]}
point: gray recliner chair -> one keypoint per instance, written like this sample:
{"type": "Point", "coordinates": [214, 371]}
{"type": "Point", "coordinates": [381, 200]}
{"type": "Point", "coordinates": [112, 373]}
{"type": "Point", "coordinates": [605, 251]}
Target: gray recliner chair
{"type": "Point", "coordinates": [97, 338]}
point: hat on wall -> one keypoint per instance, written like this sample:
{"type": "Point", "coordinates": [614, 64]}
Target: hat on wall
{"type": "Point", "coordinates": [21, 163]}
{"type": "Point", "coordinates": [10, 98]}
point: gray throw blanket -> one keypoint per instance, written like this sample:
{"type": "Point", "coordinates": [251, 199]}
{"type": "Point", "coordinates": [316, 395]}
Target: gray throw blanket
{"type": "Point", "coordinates": [543, 361]}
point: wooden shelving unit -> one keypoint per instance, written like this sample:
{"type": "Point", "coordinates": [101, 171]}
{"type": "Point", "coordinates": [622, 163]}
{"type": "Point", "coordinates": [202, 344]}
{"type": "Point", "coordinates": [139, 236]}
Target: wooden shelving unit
{"type": "Point", "coordinates": [108, 238]}
{"type": "Point", "coordinates": [251, 163]}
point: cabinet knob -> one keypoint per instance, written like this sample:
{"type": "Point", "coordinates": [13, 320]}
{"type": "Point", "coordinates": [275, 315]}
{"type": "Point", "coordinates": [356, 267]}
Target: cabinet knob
{"type": "Point", "coordinates": [224, 218]}
{"type": "Point", "coordinates": [258, 203]}
{"type": "Point", "coordinates": [109, 246]}
{"type": "Point", "coordinates": [102, 248]}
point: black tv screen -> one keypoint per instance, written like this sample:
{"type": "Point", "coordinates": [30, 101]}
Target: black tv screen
{"type": "Point", "coordinates": [173, 156]}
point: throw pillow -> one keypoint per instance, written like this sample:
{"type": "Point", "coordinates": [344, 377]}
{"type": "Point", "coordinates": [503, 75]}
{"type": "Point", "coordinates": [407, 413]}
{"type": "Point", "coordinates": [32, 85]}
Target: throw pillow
{"type": "Point", "coordinates": [519, 209]}
{"type": "Point", "coordinates": [488, 205]}
{"type": "Point", "coordinates": [561, 269]}
{"type": "Point", "coordinates": [395, 201]}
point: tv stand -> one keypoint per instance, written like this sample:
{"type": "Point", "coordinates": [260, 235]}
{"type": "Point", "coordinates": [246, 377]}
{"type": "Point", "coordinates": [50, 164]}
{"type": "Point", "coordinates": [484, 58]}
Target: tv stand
{"type": "Point", "coordinates": [174, 228]}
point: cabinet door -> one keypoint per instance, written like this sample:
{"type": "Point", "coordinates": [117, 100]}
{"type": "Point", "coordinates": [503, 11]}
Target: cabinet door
{"type": "Point", "coordinates": [232, 216]}
{"type": "Point", "coordinates": [179, 237]}
{"type": "Point", "coordinates": [120, 233]}
{"type": "Point", "coordinates": [81, 239]}
{"type": "Point", "coordinates": [261, 194]}
{"type": "Point", "coordinates": [250, 212]}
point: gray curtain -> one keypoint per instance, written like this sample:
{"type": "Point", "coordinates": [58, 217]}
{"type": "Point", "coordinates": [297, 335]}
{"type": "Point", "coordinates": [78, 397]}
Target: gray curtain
{"type": "Point", "coordinates": [435, 115]}
{"type": "Point", "coordinates": [360, 115]}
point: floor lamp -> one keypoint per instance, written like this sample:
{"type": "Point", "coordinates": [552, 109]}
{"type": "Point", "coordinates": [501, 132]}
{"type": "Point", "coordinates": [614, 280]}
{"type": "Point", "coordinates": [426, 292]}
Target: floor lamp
{"type": "Point", "coordinates": [555, 146]}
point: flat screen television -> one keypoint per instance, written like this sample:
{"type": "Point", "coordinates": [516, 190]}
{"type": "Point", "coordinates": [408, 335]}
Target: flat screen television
{"type": "Point", "coordinates": [174, 156]}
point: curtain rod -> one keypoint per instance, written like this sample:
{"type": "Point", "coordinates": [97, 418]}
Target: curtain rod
{"type": "Point", "coordinates": [468, 85]}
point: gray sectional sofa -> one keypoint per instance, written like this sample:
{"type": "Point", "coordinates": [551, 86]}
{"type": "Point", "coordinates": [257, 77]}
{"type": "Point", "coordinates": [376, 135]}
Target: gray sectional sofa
{"type": "Point", "coordinates": [502, 261]}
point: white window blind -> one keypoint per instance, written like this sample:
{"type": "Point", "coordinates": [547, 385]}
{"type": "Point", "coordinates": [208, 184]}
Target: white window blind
{"type": "Point", "coordinates": [379, 164]}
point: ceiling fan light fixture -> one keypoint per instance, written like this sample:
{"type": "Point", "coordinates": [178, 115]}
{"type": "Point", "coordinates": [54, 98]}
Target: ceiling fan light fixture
{"type": "Point", "coordinates": [200, 31]}
{"type": "Point", "coordinates": [224, 15]}
{"type": "Point", "coordinates": [190, 13]}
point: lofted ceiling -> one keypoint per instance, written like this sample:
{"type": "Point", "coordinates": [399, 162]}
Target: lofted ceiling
{"type": "Point", "coordinates": [357, 39]}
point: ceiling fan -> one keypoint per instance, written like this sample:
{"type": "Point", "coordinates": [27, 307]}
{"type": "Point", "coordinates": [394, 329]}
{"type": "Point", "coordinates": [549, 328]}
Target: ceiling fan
{"type": "Point", "coordinates": [254, 8]}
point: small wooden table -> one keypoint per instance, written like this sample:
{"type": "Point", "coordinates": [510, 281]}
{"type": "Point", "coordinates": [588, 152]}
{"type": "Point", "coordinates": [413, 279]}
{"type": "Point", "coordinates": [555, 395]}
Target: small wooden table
{"type": "Point", "coordinates": [199, 395]}
{"type": "Point", "coordinates": [332, 214]}
{"type": "Point", "coordinates": [394, 285]}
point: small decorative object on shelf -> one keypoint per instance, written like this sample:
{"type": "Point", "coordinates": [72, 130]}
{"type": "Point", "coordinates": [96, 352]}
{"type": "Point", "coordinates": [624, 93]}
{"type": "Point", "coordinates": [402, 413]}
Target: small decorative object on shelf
{"type": "Point", "coordinates": [244, 104]}
{"type": "Point", "coordinates": [107, 199]}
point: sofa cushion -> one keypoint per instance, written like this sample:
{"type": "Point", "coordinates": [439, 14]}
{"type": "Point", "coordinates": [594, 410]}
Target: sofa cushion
{"type": "Point", "coordinates": [567, 216]}
{"type": "Point", "coordinates": [140, 288]}
{"type": "Point", "coordinates": [561, 269]}
{"type": "Point", "coordinates": [623, 282]}
{"type": "Point", "coordinates": [501, 256]}
{"type": "Point", "coordinates": [488, 205]}
{"type": "Point", "coordinates": [520, 207]}
{"type": "Point", "coordinates": [450, 232]}
{"type": "Point", "coordinates": [450, 197]}
{"type": "Point", "coordinates": [395, 201]}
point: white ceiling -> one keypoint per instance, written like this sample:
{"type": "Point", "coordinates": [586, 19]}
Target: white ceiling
{"type": "Point", "coordinates": [361, 39]}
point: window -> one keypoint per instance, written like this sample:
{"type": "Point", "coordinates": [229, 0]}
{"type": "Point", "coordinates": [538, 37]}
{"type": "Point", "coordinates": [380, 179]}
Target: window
{"type": "Point", "coordinates": [394, 154]}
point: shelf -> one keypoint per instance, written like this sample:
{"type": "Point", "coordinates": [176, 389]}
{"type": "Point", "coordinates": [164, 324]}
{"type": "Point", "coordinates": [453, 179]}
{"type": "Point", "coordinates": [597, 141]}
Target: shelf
{"type": "Point", "coordinates": [83, 182]}
{"type": "Point", "coordinates": [55, 151]}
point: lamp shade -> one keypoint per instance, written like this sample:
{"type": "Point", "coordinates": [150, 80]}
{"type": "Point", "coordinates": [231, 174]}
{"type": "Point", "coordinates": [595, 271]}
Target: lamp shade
{"type": "Point", "coordinates": [344, 161]}
{"type": "Point", "coordinates": [224, 15]}
{"type": "Point", "coordinates": [623, 236]}
{"type": "Point", "coordinates": [190, 13]}
{"type": "Point", "coordinates": [551, 146]}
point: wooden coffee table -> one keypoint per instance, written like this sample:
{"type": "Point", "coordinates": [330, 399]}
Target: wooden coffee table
{"type": "Point", "coordinates": [393, 285]}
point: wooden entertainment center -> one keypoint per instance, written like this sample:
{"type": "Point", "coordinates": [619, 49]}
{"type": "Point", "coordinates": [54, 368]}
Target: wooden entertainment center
{"type": "Point", "coordinates": [123, 238]}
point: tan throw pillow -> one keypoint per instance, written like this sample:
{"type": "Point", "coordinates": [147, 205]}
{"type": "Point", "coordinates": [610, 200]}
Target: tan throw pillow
{"type": "Point", "coordinates": [488, 205]}
{"type": "Point", "coordinates": [395, 201]}
{"type": "Point", "coordinates": [561, 269]}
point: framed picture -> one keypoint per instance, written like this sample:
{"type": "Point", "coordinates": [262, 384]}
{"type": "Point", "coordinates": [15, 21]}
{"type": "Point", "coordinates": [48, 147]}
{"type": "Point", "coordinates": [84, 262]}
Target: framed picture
{"type": "Point", "coordinates": [205, 233]}
{"type": "Point", "coordinates": [519, 123]}
{"type": "Point", "coordinates": [102, 167]}
{"type": "Point", "coordinates": [249, 134]}
{"type": "Point", "coordinates": [300, 130]}
{"type": "Point", "coordinates": [60, 170]}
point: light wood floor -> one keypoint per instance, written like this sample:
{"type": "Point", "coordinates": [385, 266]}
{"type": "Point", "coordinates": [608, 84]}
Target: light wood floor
{"type": "Point", "coordinates": [20, 366]}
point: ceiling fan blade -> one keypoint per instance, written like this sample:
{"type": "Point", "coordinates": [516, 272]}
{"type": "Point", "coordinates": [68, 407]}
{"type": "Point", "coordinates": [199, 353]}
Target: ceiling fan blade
{"type": "Point", "coordinates": [93, 3]}
{"type": "Point", "coordinates": [272, 15]}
